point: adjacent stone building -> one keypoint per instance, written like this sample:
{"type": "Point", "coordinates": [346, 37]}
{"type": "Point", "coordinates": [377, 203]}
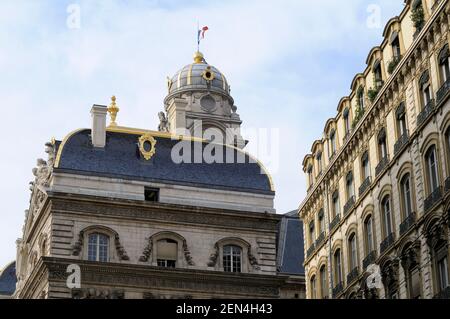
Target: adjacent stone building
{"type": "Point", "coordinates": [378, 202]}
{"type": "Point", "coordinates": [182, 212]}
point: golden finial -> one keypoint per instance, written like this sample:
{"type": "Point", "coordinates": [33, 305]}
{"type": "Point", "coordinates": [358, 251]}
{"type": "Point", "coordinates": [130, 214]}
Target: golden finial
{"type": "Point", "coordinates": [198, 57]}
{"type": "Point", "coordinates": [113, 109]}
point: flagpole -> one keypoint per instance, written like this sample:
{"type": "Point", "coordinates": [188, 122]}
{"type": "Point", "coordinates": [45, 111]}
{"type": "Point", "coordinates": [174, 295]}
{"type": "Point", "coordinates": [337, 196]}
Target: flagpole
{"type": "Point", "coordinates": [198, 36]}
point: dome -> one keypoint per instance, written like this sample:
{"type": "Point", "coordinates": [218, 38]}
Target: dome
{"type": "Point", "coordinates": [198, 76]}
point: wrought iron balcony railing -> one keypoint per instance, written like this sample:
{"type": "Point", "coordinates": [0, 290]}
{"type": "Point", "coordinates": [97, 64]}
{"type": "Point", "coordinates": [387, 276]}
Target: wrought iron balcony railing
{"type": "Point", "coordinates": [320, 239]}
{"type": "Point", "coordinates": [401, 143]}
{"type": "Point", "coordinates": [365, 186]}
{"type": "Point", "coordinates": [426, 113]}
{"type": "Point", "coordinates": [443, 294]}
{"type": "Point", "coordinates": [387, 243]}
{"type": "Point", "coordinates": [336, 220]}
{"type": "Point", "coordinates": [407, 223]}
{"type": "Point", "coordinates": [447, 185]}
{"type": "Point", "coordinates": [349, 205]}
{"type": "Point", "coordinates": [338, 289]}
{"type": "Point", "coordinates": [442, 92]}
{"type": "Point", "coordinates": [311, 250]}
{"type": "Point", "coordinates": [432, 199]}
{"type": "Point", "coordinates": [370, 259]}
{"type": "Point", "coordinates": [352, 275]}
{"type": "Point", "coordinates": [382, 165]}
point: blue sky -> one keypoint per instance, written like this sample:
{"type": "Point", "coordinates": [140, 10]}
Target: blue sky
{"type": "Point", "coordinates": [288, 63]}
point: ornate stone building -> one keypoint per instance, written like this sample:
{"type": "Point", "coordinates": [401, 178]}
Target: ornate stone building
{"type": "Point", "coordinates": [377, 212]}
{"type": "Point", "coordinates": [158, 214]}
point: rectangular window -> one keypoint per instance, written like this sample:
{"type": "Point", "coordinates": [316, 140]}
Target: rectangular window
{"type": "Point", "coordinates": [354, 253]}
{"type": "Point", "coordinates": [442, 266]}
{"type": "Point", "coordinates": [414, 284]}
{"type": "Point", "coordinates": [369, 232]}
{"type": "Point", "coordinates": [323, 283]}
{"type": "Point", "coordinates": [387, 217]}
{"type": "Point", "coordinates": [445, 68]}
{"type": "Point", "coordinates": [426, 95]}
{"type": "Point", "coordinates": [151, 194]}
{"type": "Point", "coordinates": [433, 170]}
{"type": "Point", "coordinates": [336, 205]}
{"type": "Point", "coordinates": [166, 263]}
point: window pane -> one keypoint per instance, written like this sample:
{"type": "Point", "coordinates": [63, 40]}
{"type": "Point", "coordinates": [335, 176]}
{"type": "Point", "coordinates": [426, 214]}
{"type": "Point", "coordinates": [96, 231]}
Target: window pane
{"type": "Point", "coordinates": [369, 232]}
{"type": "Point", "coordinates": [92, 247]}
{"type": "Point", "coordinates": [232, 259]}
{"type": "Point", "coordinates": [414, 284]}
{"type": "Point", "coordinates": [387, 216]}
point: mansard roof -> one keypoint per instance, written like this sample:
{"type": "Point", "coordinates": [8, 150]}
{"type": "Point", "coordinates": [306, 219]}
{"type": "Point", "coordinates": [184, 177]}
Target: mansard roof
{"type": "Point", "coordinates": [290, 245]}
{"type": "Point", "coordinates": [121, 158]}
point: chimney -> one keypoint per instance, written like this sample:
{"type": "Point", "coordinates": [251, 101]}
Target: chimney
{"type": "Point", "coordinates": [98, 133]}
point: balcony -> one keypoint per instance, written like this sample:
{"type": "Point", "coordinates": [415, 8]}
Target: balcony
{"type": "Point", "coordinates": [431, 200]}
{"type": "Point", "coordinates": [426, 113]}
{"type": "Point", "coordinates": [442, 92]}
{"type": "Point", "coordinates": [370, 259]}
{"type": "Point", "coordinates": [393, 63]}
{"type": "Point", "coordinates": [349, 206]}
{"type": "Point", "coordinates": [311, 250]}
{"type": "Point", "coordinates": [401, 143]}
{"type": "Point", "coordinates": [365, 186]}
{"type": "Point", "coordinates": [382, 165]}
{"type": "Point", "coordinates": [352, 276]}
{"type": "Point", "coordinates": [387, 243]}
{"type": "Point", "coordinates": [320, 239]}
{"type": "Point", "coordinates": [407, 223]}
{"type": "Point", "coordinates": [338, 289]}
{"type": "Point", "coordinates": [447, 185]}
{"type": "Point", "coordinates": [336, 220]}
{"type": "Point", "coordinates": [444, 294]}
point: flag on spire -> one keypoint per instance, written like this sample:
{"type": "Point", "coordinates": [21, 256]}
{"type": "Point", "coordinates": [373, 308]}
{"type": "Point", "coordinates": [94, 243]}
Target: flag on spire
{"type": "Point", "coordinates": [201, 34]}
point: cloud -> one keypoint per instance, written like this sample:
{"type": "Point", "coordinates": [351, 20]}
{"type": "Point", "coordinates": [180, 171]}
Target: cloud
{"type": "Point", "coordinates": [288, 62]}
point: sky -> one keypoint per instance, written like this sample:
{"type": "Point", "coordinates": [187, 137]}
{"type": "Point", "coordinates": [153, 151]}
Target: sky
{"type": "Point", "coordinates": [288, 64]}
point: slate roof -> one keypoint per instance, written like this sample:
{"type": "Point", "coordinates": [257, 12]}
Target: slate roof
{"type": "Point", "coordinates": [290, 245]}
{"type": "Point", "coordinates": [121, 159]}
{"type": "Point", "coordinates": [8, 280]}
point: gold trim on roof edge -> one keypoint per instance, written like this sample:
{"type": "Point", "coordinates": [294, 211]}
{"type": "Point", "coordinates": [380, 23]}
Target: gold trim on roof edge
{"type": "Point", "coordinates": [137, 131]}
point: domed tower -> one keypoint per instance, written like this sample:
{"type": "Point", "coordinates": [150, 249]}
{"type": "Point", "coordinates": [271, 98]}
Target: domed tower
{"type": "Point", "coordinates": [199, 103]}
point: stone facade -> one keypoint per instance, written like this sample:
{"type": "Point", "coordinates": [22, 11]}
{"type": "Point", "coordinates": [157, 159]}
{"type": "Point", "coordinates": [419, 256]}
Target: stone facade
{"type": "Point", "coordinates": [106, 204]}
{"type": "Point", "coordinates": [377, 207]}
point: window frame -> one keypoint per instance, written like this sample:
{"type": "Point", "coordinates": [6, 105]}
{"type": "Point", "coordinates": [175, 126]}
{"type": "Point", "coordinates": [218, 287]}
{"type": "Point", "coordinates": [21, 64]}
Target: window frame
{"type": "Point", "coordinates": [433, 180]}
{"type": "Point", "coordinates": [337, 267]}
{"type": "Point", "coordinates": [352, 251]}
{"type": "Point", "coordinates": [370, 244]}
{"type": "Point", "coordinates": [405, 202]}
{"type": "Point", "coordinates": [97, 245]}
{"type": "Point", "coordinates": [236, 258]}
{"type": "Point", "coordinates": [388, 224]}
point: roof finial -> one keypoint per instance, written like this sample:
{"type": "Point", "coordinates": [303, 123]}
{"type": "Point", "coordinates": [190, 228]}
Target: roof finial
{"type": "Point", "coordinates": [198, 57]}
{"type": "Point", "coordinates": [113, 109]}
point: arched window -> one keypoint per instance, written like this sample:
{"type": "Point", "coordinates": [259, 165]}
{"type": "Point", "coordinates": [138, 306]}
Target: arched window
{"type": "Point", "coordinates": [332, 142]}
{"type": "Point", "coordinates": [319, 163]}
{"type": "Point", "coordinates": [321, 221]}
{"type": "Point", "coordinates": [444, 56]}
{"type": "Point", "coordinates": [323, 283]}
{"type": "Point", "coordinates": [350, 186]}
{"type": "Point", "coordinates": [365, 166]}
{"type": "Point", "coordinates": [401, 120]}
{"type": "Point", "coordinates": [167, 253]}
{"type": "Point", "coordinates": [347, 126]}
{"type": "Point", "coordinates": [353, 252]}
{"type": "Point", "coordinates": [313, 287]}
{"type": "Point", "coordinates": [98, 247]}
{"type": "Point", "coordinates": [382, 145]}
{"type": "Point", "coordinates": [405, 186]}
{"type": "Point", "coordinates": [336, 204]}
{"type": "Point", "coordinates": [361, 98]}
{"type": "Point", "coordinates": [369, 233]}
{"type": "Point", "coordinates": [447, 146]}
{"type": "Point", "coordinates": [310, 176]}
{"type": "Point", "coordinates": [424, 83]}
{"type": "Point", "coordinates": [312, 233]}
{"type": "Point", "coordinates": [377, 74]}
{"type": "Point", "coordinates": [337, 267]}
{"type": "Point", "coordinates": [432, 169]}
{"type": "Point", "coordinates": [387, 215]}
{"type": "Point", "coordinates": [232, 258]}
{"type": "Point", "coordinates": [395, 43]}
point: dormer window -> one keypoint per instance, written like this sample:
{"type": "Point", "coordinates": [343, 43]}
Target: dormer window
{"type": "Point", "coordinates": [401, 120]}
{"type": "Point", "coordinates": [98, 247]}
{"type": "Point", "coordinates": [332, 143]}
{"type": "Point", "coordinates": [395, 43]}
{"type": "Point", "coordinates": [378, 75]}
{"type": "Point", "coordinates": [346, 115]}
{"type": "Point", "coordinates": [361, 98]}
{"type": "Point", "coordinates": [310, 176]}
{"type": "Point", "coordinates": [319, 162]}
